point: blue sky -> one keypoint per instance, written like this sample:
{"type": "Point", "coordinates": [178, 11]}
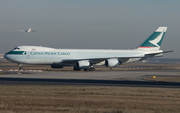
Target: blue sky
{"type": "Point", "coordinates": [93, 24]}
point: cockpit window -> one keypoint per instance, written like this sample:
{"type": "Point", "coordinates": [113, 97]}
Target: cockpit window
{"type": "Point", "coordinates": [16, 48]}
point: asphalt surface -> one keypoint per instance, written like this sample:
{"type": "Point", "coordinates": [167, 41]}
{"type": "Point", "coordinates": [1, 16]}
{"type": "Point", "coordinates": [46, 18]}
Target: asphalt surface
{"type": "Point", "coordinates": [96, 78]}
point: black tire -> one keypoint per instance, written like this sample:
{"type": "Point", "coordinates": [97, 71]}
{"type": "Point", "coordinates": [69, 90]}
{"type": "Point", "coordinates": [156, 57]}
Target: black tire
{"type": "Point", "coordinates": [85, 69]}
{"type": "Point", "coordinates": [91, 69]}
{"type": "Point", "coordinates": [20, 68]}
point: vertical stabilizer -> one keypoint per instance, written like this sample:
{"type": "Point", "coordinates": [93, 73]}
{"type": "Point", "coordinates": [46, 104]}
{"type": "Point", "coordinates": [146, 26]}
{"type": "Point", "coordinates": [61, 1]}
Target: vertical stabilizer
{"type": "Point", "coordinates": [29, 30]}
{"type": "Point", "coordinates": [155, 40]}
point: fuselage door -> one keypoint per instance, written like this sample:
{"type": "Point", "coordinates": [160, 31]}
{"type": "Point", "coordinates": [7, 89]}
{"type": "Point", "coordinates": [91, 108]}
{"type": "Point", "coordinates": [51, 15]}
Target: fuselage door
{"type": "Point", "coordinates": [27, 55]}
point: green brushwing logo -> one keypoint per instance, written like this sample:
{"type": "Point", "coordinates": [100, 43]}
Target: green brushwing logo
{"type": "Point", "coordinates": [154, 40]}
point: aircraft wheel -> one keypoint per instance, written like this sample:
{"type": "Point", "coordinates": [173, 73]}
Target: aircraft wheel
{"type": "Point", "coordinates": [85, 69]}
{"type": "Point", "coordinates": [90, 69]}
{"type": "Point", "coordinates": [21, 68]}
{"type": "Point", "coordinates": [93, 69]}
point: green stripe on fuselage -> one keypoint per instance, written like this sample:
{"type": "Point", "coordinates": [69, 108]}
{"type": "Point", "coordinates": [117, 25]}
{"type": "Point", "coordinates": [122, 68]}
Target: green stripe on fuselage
{"type": "Point", "coordinates": [17, 52]}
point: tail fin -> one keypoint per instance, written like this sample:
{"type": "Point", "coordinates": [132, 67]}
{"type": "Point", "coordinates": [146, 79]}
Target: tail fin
{"type": "Point", "coordinates": [155, 40]}
{"type": "Point", "coordinates": [29, 30]}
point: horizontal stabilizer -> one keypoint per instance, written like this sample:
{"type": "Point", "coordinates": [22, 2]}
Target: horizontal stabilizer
{"type": "Point", "coordinates": [161, 52]}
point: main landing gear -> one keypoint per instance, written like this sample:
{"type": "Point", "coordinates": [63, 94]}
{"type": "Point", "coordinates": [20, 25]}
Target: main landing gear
{"type": "Point", "coordinates": [20, 67]}
{"type": "Point", "coordinates": [89, 69]}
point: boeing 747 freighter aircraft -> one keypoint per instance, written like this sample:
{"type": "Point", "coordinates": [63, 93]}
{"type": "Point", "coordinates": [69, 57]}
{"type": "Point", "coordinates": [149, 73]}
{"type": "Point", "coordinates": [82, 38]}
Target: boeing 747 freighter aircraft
{"type": "Point", "coordinates": [87, 58]}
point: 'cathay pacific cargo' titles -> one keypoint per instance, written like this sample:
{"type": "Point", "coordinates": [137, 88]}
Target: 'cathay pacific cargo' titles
{"type": "Point", "coordinates": [87, 58]}
{"type": "Point", "coordinates": [49, 53]}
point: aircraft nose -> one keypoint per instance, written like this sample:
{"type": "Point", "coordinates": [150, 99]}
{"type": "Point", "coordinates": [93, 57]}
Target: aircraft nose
{"type": "Point", "coordinates": [10, 57]}
{"type": "Point", "coordinates": [6, 56]}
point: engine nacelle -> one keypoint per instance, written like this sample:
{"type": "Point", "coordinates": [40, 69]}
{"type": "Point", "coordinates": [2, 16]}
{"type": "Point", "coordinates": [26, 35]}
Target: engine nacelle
{"type": "Point", "coordinates": [112, 63]}
{"type": "Point", "coordinates": [56, 66]}
{"type": "Point", "coordinates": [84, 64]}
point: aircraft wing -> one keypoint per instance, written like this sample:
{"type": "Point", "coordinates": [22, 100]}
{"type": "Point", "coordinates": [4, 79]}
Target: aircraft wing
{"type": "Point", "coordinates": [93, 60]}
{"type": "Point", "coordinates": [98, 60]}
{"type": "Point", "coordinates": [73, 61]}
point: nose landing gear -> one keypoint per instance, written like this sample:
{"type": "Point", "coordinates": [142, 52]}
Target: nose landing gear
{"type": "Point", "coordinates": [20, 67]}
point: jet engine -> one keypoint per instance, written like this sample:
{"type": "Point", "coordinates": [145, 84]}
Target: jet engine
{"type": "Point", "coordinates": [112, 63]}
{"type": "Point", "coordinates": [56, 66]}
{"type": "Point", "coordinates": [84, 64]}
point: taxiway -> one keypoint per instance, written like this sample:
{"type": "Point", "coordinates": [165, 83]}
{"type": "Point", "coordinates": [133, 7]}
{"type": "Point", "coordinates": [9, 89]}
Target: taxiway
{"type": "Point", "coordinates": [96, 78]}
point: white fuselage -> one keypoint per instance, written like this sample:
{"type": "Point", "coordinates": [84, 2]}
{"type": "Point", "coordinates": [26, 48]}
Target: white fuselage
{"type": "Point", "coordinates": [49, 56]}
